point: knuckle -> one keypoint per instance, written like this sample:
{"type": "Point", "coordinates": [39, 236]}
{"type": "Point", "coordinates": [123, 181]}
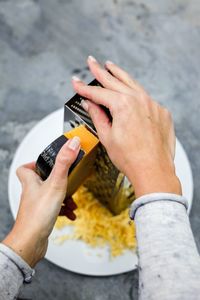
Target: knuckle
{"type": "Point", "coordinates": [57, 185]}
{"type": "Point", "coordinates": [85, 90]}
{"type": "Point", "coordinates": [130, 81]}
{"type": "Point", "coordinates": [150, 104]}
{"type": "Point", "coordinates": [124, 98]}
{"type": "Point", "coordinates": [93, 110]}
{"type": "Point", "coordinates": [108, 77]}
{"type": "Point", "coordinates": [91, 92]}
{"type": "Point", "coordinates": [145, 99]}
{"type": "Point", "coordinates": [65, 159]}
{"type": "Point", "coordinates": [123, 103]}
{"type": "Point", "coordinates": [167, 113]}
{"type": "Point", "coordinates": [101, 74]}
{"type": "Point", "coordinates": [18, 171]}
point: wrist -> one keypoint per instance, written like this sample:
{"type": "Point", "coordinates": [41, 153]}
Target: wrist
{"type": "Point", "coordinates": [155, 179]}
{"type": "Point", "coordinates": [27, 245]}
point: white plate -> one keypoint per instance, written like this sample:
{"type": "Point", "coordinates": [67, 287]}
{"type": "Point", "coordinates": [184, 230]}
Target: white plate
{"type": "Point", "coordinates": [76, 256]}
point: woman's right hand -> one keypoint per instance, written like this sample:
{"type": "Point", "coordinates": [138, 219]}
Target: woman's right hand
{"type": "Point", "coordinates": [141, 140]}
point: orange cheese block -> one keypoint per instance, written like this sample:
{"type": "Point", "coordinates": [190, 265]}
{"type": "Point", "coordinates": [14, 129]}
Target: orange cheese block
{"type": "Point", "coordinates": [88, 139]}
{"type": "Point", "coordinates": [83, 169]}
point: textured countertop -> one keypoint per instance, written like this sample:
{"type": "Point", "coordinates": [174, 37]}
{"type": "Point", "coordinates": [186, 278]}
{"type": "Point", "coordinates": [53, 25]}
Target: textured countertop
{"type": "Point", "coordinates": [44, 42]}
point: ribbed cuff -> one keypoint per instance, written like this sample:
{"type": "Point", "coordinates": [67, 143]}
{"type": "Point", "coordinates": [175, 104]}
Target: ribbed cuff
{"type": "Point", "coordinates": [26, 270]}
{"type": "Point", "coordinates": [155, 197]}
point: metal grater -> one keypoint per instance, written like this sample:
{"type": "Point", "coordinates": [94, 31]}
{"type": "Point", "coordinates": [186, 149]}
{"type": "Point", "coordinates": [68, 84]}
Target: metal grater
{"type": "Point", "coordinates": [106, 183]}
{"type": "Point", "coordinates": [74, 105]}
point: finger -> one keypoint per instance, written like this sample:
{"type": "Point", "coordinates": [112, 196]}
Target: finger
{"type": "Point", "coordinates": [68, 213]}
{"type": "Point", "coordinates": [106, 79]}
{"type": "Point", "coordinates": [64, 160]}
{"type": "Point", "coordinates": [96, 94]}
{"type": "Point", "coordinates": [70, 204]}
{"type": "Point", "coordinates": [30, 165]}
{"type": "Point", "coordinates": [99, 118]}
{"type": "Point", "coordinates": [26, 173]}
{"type": "Point", "coordinates": [123, 76]}
{"type": "Point", "coordinates": [71, 215]}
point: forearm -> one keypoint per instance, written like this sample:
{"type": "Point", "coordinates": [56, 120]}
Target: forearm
{"type": "Point", "coordinates": [13, 272]}
{"type": "Point", "coordinates": [169, 264]}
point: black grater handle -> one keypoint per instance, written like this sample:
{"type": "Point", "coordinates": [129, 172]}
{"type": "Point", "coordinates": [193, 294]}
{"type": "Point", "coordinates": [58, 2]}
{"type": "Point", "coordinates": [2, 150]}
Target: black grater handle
{"type": "Point", "coordinates": [47, 158]}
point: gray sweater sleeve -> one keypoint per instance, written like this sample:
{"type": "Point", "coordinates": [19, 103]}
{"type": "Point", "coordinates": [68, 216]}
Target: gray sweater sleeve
{"type": "Point", "coordinates": [169, 263]}
{"type": "Point", "coordinates": [14, 271]}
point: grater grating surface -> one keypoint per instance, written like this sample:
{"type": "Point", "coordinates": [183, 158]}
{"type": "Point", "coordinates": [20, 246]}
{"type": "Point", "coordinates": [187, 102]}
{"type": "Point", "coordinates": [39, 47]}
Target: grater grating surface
{"type": "Point", "coordinates": [74, 105]}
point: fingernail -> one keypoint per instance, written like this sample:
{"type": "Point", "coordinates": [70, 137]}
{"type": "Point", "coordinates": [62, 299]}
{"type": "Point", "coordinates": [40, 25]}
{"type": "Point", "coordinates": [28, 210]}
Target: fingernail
{"type": "Point", "coordinates": [74, 143]}
{"type": "Point", "coordinates": [91, 58]}
{"type": "Point", "coordinates": [75, 78]}
{"type": "Point", "coordinates": [84, 105]}
{"type": "Point", "coordinates": [109, 62]}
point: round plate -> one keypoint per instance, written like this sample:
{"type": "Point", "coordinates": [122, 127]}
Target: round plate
{"type": "Point", "coordinates": [77, 256]}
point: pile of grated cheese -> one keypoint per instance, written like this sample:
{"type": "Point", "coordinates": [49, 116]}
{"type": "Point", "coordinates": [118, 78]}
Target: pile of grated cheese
{"type": "Point", "coordinates": [97, 226]}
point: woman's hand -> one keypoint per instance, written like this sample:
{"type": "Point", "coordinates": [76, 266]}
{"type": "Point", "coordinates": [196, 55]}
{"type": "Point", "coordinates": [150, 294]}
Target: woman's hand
{"type": "Point", "coordinates": [141, 140]}
{"type": "Point", "coordinates": [40, 205]}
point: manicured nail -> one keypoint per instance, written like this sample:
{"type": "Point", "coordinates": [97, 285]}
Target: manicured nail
{"type": "Point", "coordinates": [91, 58]}
{"type": "Point", "coordinates": [74, 143]}
{"type": "Point", "coordinates": [84, 105]}
{"type": "Point", "coordinates": [75, 78]}
{"type": "Point", "coordinates": [109, 62]}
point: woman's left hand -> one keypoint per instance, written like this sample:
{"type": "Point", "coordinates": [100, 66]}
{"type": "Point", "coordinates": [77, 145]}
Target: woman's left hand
{"type": "Point", "coordinates": [40, 205]}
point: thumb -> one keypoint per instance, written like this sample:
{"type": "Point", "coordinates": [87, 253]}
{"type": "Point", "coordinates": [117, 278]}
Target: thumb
{"type": "Point", "coordinates": [99, 118]}
{"type": "Point", "coordinates": [64, 160]}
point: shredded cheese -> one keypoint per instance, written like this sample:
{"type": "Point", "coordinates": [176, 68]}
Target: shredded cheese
{"type": "Point", "coordinates": [97, 226]}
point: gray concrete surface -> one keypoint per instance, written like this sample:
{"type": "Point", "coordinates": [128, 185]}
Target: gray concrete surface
{"type": "Point", "coordinates": [44, 42]}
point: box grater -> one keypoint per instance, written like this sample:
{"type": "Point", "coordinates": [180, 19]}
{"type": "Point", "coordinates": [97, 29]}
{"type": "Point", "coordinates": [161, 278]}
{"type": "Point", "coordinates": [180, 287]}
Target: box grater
{"type": "Point", "coordinates": [105, 182]}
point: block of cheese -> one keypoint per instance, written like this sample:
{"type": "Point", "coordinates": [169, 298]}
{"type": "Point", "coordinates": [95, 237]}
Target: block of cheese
{"type": "Point", "coordinates": [83, 169]}
{"type": "Point", "coordinates": [88, 139]}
